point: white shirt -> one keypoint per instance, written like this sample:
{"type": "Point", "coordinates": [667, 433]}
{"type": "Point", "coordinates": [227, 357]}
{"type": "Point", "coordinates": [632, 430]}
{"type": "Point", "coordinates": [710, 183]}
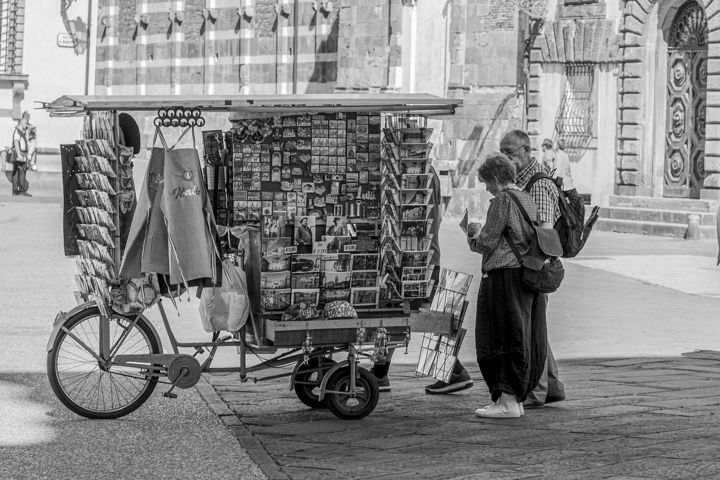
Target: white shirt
{"type": "Point", "coordinates": [562, 169]}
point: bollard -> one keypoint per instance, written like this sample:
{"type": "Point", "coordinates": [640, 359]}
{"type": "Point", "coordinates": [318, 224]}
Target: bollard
{"type": "Point", "coordinates": [693, 229]}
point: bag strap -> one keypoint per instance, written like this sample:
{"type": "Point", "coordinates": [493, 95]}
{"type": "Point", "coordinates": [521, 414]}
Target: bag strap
{"type": "Point", "coordinates": [525, 215]}
{"type": "Point", "coordinates": [535, 178]}
{"type": "Point", "coordinates": [521, 208]}
{"type": "Point", "coordinates": [513, 247]}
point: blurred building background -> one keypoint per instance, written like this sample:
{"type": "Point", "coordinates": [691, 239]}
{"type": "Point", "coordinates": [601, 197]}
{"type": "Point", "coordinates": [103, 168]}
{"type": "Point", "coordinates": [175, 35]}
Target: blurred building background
{"type": "Point", "coordinates": [629, 84]}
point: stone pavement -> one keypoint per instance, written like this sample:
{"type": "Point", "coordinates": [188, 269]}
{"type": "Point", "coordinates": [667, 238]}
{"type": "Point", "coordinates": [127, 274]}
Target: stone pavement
{"type": "Point", "coordinates": [637, 418]}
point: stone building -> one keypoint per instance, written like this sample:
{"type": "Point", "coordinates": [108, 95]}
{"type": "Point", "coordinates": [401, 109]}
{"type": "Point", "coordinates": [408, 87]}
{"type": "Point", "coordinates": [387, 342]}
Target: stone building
{"type": "Point", "coordinates": [42, 56]}
{"type": "Point", "coordinates": [632, 85]}
{"type": "Point", "coordinates": [629, 84]}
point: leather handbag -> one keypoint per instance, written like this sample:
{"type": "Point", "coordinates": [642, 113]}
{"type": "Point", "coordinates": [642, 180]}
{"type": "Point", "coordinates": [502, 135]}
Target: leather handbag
{"type": "Point", "coordinates": [543, 271]}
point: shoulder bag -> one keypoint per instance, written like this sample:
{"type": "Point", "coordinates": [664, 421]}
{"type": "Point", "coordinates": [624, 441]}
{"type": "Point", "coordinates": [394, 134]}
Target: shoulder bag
{"type": "Point", "coordinates": [543, 271]}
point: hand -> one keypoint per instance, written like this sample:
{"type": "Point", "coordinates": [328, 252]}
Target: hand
{"type": "Point", "coordinates": [474, 229]}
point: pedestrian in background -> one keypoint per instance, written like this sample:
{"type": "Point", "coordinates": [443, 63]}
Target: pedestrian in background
{"type": "Point", "coordinates": [20, 156]}
{"type": "Point", "coordinates": [548, 158]}
{"type": "Point", "coordinates": [515, 144]}
{"type": "Point", "coordinates": [510, 329]}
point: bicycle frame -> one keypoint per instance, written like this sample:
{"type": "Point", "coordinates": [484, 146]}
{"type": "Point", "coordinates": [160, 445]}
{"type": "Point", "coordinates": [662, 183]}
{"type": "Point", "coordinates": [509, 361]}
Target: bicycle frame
{"type": "Point", "coordinates": [298, 356]}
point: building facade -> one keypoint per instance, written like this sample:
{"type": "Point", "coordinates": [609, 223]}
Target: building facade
{"type": "Point", "coordinates": [43, 54]}
{"type": "Point", "coordinates": [629, 84]}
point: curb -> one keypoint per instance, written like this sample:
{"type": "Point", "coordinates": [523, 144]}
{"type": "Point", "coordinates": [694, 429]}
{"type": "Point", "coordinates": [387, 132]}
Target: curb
{"type": "Point", "coordinates": [237, 428]}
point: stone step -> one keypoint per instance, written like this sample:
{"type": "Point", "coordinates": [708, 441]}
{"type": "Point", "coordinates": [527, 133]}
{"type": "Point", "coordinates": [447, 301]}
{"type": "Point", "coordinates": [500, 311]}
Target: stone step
{"type": "Point", "coordinates": [661, 229]}
{"type": "Point", "coordinates": [653, 215]}
{"type": "Point", "coordinates": [664, 203]}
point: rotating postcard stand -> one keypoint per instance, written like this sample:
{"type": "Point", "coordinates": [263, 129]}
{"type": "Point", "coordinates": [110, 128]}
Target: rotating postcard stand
{"type": "Point", "coordinates": [304, 179]}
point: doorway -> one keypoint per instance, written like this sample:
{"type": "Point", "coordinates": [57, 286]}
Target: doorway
{"type": "Point", "coordinates": [684, 169]}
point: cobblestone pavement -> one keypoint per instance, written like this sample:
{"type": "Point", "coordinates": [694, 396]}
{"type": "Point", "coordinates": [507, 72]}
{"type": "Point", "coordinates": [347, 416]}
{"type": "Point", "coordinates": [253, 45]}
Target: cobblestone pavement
{"type": "Point", "coordinates": [642, 418]}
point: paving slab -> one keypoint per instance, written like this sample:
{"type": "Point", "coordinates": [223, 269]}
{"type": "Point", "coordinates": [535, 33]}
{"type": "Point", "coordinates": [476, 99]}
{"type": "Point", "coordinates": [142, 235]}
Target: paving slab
{"type": "Point", "coordinates": [628, 418]}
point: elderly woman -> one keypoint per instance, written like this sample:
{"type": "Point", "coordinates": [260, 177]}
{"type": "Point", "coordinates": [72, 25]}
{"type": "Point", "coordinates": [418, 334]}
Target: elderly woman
{"type": "Point", "coordinates": [510, 330]}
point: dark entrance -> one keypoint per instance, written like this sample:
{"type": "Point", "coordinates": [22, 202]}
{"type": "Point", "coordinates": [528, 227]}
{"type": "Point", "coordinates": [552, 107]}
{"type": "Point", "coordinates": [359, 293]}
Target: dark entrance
{"type": "Point", "coordinates": [687, 92]}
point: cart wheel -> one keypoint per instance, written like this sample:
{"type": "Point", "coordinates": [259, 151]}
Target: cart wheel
{"type": "Point", "coordinates": [92, 389]}
{"type": "Point", "coordinates": [352, 408]}
{"type": "Point", "coordinates": [307, 381]}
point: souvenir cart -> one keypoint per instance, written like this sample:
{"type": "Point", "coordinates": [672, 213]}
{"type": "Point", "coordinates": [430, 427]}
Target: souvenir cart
{"type": "Point", "coordinates": [319, 207]}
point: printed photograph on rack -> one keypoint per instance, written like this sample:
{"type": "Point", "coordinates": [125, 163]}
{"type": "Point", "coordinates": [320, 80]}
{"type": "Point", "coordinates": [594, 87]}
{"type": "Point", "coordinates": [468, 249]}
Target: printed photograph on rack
{"type": "Point", "coordinates": [416, 197]}
{"type": "Point", "coordinates": [275, 300]}
{"type": "Point", "coordinates": [365, 261]}
{"type": "Point", "coordinates": [419, 289]}
{"type": "Point", "coordinates": [308, 297]}
{"type": "Point", "coordinates": [275, 280]}
{"type": "Point", "coordinates": [277, 246]}
{"type": "Point", "coordinates": [328, 295]}
{"type": "Point", "coordinates": [364, 279]}
{"type": "Point", "coordinates": [416, 259]}
{"type": "Point", "coordinates": [336, 280]}
{"type": "Point", "coordinates": [275, 263]}
{"type": "Point", "coordinates": [364, 297]}
{"type": "Point", "coordinates": [304, 233]}
{"type": "Point", "coordinates": [339, 262]}
{"type": "Point", "coordinates": [305, 280]}
{"type": "Point", "coordinates": [274, 225]}
{"type": "Point", "coordinates": [306, 263]}
{"type": "Point", "coordinates": [415, 182]}
{"type": "Point", "coordinates": [337, 244]}
{"type": "Point", "coordinates": [414, 274]}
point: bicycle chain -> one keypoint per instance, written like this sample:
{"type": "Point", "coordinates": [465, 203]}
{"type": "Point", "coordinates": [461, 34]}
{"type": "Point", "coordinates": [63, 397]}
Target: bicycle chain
{"type": "Point", "coordinates": [138, 378]}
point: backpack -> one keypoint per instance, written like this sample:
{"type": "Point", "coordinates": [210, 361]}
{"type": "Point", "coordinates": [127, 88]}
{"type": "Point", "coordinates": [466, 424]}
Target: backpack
{"type": "Point", "coordinates": [543, 272]}
{"type": "Point", "coordinates": [571, 226]}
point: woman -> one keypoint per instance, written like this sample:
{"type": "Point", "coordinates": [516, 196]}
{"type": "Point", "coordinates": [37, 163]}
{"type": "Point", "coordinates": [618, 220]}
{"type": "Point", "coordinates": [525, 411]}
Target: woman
{"type": "Point", "coordinates": [510, 330]}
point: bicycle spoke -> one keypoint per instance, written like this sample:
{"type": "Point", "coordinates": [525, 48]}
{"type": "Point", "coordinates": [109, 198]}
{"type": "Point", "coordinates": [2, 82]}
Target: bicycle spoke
{"type": "Point", "coordinates": [78, 369]}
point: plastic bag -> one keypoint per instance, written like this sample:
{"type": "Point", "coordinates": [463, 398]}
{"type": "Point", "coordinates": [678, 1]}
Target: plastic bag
{"type": "Point", "coordinates": [226, 307]}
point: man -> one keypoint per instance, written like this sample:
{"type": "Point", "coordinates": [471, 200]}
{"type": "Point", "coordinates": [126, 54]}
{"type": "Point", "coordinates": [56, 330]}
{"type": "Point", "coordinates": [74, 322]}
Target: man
{"type": "Point", "coordinates": [548, 158]}
{"type": "Point", "coordinates": [460, 378]}
{"type": "Point", "coordinates": [336, 229]}
{"type": "Point", "coordinates": [515, 144]}
{"type": "Point", "coordinates": [303, 236]}
{"type": "Point", "coordinates": [20, 150]}
{"type": "Point", "coordinates": [562, 167]}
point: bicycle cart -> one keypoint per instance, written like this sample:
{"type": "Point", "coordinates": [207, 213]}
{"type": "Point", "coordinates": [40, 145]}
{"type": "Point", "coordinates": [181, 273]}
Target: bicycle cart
{"type": "Point", "coordinates": [104, 361]}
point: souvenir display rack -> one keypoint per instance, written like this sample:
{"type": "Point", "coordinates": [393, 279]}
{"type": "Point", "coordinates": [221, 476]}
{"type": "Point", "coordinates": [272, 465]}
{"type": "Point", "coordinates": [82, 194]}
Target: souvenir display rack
{"type": "Point", "coordinates": [91, 205]}
{"type": "Point", "coordinates": [245, 166]}
{"type": "Point", "coordinates": [408, 207]}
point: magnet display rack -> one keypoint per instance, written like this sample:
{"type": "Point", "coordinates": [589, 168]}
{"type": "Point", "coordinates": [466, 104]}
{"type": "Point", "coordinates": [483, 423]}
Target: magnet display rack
{"type": "Point", "coordinates": [309, 187]}
{"type": "Point", "coordinates": [408, 206]}
{"type": "Point", "coordinates": [91, 206]}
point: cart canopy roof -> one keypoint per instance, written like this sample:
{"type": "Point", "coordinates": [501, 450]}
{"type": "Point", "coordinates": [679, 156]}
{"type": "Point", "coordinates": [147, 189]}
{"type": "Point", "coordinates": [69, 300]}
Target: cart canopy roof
{"type": "Point", "coordinates": [242, 105]}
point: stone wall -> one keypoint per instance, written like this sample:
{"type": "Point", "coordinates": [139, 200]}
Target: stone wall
{"type": "Point", "coordinates": [142, 48]}
{"type": "Point", "coordinates": [369, 49]}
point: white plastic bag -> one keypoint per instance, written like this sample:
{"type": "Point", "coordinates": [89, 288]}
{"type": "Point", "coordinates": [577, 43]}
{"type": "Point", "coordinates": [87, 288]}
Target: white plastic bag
{"type": "Point", "coordinates": [226, 307]}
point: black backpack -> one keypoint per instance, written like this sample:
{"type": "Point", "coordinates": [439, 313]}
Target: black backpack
{"type": "Point", "coordinates": [571, 226]}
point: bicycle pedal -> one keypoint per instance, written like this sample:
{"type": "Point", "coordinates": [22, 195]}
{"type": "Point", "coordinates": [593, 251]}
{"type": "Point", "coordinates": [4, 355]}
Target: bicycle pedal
{"type": "Point", "coordinates": [170, 395]}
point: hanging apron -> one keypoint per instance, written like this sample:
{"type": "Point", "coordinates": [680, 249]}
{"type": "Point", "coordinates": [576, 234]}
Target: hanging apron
{"type": "Point", "coordinates": [185, 205]}
{"type": "Point", "coordinates": [146, 250]}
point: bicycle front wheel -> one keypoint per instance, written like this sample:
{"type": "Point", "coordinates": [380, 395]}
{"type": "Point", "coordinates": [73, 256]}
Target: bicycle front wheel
{"type": "Point", "coordinates": [85, 383]}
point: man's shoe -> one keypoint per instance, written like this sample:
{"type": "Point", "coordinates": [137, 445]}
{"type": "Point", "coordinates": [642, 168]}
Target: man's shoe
{"type": "Point", "coordinates": [554, 398]}
{"type": "Point", "coordinates": [532, 404]}
{"type": "Point", "coordinates": [383, 384]}
{"type": "Point", "coordinates": [457, 383]}
{"type": "Point", "coordinates": [503, 408]}
{"type": "Point", "coordinates": [522, 409]}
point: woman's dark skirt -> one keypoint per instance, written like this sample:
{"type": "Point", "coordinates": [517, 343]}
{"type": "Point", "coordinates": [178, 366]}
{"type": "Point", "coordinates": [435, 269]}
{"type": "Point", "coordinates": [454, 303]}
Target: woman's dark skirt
{"type": "Point", "coordinates": [510, 333]}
